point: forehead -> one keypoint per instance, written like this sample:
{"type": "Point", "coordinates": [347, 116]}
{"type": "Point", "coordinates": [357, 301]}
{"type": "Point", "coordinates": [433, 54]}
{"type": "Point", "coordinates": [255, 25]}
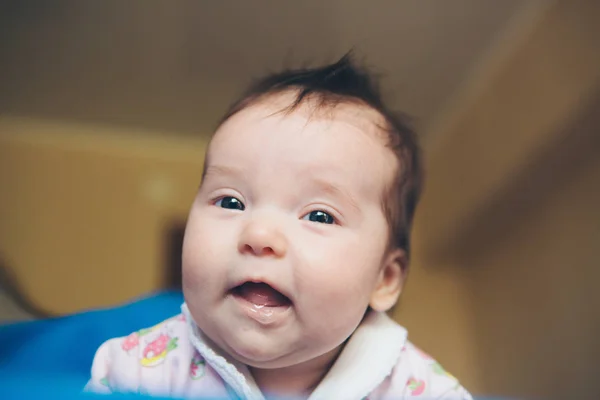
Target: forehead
{"type": "Point", "coordinates": [342, 142]}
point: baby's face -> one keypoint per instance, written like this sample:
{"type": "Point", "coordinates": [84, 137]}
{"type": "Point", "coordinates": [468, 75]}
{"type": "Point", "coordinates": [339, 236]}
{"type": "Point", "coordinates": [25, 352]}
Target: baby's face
{"type": "Point", "coordinates": [286, 237]}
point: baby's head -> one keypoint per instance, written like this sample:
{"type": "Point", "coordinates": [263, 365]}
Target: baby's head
{"type": "Point", "coordinates": [301, 223]}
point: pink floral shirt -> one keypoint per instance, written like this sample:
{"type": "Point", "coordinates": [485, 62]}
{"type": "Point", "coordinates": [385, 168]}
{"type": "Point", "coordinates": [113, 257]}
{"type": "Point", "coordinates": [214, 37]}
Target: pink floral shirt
{"type": "Point", "coordinates": [175, 359]}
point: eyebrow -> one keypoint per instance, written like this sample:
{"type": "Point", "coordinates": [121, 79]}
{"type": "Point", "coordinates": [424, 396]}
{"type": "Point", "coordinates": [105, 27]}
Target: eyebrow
{"type": "Point", "coordinates": [336, 191]}
{"type": "Point", "coordinates": [222, 170]}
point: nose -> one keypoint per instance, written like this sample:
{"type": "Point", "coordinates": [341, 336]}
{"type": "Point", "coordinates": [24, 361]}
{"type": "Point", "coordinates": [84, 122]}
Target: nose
{"type": "Point", "coordinates": [262, 239]}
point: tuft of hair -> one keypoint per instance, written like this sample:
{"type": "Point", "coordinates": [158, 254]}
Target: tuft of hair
{"type": "Point", "coordinates": [345, 82]}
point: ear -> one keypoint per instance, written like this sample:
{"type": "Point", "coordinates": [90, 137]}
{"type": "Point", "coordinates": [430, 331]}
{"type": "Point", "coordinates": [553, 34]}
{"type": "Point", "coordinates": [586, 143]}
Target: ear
{"type": "Point", "coordinates": [390, 282]}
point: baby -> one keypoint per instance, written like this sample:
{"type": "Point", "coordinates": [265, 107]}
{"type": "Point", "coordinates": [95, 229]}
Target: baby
{"type": "Point", "coordinates": [296, 246]}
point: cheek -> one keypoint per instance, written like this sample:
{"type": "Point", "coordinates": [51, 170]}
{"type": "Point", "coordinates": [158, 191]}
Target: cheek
{"type": "Point", "coordinates": [336, 282]}
{"type": "Point", "coordinates": [203, 252]}
{"type": "Point", "coordinates": [340, 272]}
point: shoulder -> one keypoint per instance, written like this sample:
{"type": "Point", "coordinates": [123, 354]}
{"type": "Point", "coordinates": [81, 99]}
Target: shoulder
{"type": "Point", "coordinates": [417, 374]}
{"type": "Point", "coordinates": [124, 363]}
{"type": "Point", "coordinates": [151, 346]}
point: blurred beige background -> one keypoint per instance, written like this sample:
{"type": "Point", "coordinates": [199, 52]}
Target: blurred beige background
{"type": "Point", "coordinates": [106, 108]}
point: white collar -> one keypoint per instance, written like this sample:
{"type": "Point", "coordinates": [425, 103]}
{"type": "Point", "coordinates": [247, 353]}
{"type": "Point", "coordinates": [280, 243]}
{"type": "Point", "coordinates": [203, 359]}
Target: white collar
{"type": "Point", "coordinates": [367, 359]}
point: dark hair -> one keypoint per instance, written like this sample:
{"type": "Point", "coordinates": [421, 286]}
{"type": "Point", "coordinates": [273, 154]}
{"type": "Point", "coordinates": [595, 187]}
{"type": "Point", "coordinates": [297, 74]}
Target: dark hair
{"type": "Point", "coordinates": [344, 82]}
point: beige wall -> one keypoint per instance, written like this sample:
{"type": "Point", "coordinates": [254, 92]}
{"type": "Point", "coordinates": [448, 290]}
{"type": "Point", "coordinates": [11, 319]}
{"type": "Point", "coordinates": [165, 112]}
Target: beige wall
{"type": "Point", "coordinates": [535, 297]}
{"type": "Point", "coordinates": [508, 231]}
{"type": "Point", "coordinates": [435, 308]}
{"type": "Point", "coordinates": [517, 312]}
{"type": "Point", "coordinates": [85, 210]}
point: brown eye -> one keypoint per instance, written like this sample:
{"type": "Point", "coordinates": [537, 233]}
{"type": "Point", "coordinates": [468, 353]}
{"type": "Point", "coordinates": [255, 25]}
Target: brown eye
{"type": "Point", "coordinates": [230, 203]}
{"type": "Point", "coordinates": [319, 216]}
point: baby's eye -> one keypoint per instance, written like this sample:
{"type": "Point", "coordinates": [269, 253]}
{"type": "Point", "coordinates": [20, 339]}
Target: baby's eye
{"type": "Point", "coordinates": [319, 216]}
{"type": "Point", "coordinates": [231, 203]}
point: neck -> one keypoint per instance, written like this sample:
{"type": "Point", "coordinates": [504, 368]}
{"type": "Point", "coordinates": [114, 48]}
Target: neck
{"type": "Point", "coordinates": [296, 381]}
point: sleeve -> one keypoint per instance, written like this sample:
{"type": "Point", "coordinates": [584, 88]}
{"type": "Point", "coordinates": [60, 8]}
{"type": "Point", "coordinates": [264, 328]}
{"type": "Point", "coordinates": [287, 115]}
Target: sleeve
{"type": "Point", "coordinates": [444, 386]}
{"type": "Point", "coordinates": [101, 369]}
{"type": "Point", "coordinates": [423, 377]}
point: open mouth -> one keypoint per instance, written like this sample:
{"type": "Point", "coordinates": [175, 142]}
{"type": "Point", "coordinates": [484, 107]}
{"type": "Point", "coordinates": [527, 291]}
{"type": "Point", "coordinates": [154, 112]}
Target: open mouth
{"type": "Point", "coordinates": [261, 295]}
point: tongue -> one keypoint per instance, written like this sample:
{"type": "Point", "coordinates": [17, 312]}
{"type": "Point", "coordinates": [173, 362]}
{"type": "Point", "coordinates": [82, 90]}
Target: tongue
{"type": "Point", "coordinates": [262, 295]}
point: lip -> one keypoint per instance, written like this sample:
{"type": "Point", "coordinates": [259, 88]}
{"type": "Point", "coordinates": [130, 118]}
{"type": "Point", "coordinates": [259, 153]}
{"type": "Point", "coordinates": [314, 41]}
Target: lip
{"type": "Point", "coordinates": [241, 281]}
{"type": "Point", "coordinates": [262, 314]}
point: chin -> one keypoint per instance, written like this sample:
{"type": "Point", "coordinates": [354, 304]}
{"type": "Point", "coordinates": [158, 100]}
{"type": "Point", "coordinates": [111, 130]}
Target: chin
{"type": "Point", "coordinates": [258, 352]}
